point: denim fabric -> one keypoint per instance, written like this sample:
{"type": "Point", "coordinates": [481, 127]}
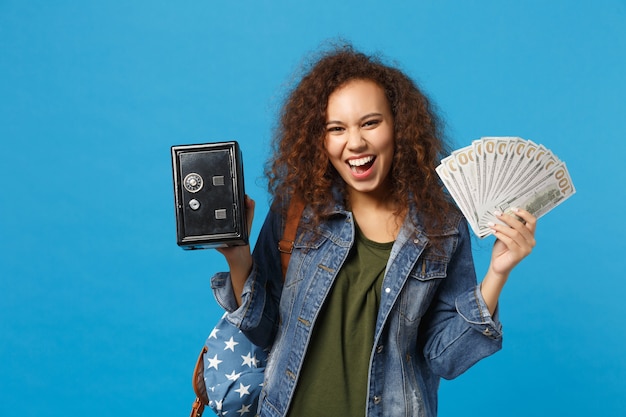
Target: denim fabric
{"type": "Point", "coordinates": [432, 323]}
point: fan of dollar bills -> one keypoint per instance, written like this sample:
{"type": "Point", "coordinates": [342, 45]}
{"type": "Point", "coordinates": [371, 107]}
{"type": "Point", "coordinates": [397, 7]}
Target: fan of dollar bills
{"type": "Point", "coordinates": [500, 173]}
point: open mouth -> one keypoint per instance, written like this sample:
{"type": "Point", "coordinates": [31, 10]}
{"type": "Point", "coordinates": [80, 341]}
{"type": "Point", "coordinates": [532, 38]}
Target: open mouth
{"type": "Point", "coordinates": [361, 165]}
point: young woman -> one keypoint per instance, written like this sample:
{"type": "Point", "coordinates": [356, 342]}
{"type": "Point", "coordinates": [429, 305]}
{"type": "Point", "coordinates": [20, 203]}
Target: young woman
{"type": "Point", "coordinates": [380, 299]}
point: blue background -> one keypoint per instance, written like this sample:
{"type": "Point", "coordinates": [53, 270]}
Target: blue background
{"type": "Point", "coordinates": [102, 314]}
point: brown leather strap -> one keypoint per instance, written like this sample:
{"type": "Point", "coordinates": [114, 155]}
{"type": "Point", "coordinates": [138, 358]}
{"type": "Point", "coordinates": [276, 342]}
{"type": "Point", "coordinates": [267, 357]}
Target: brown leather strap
{"type": "Point", "coordinates": [197, 408]}
{"type": "Point", "coordinates": [285, 245]}
{"type": "Point", "coordinates": [199, 387]}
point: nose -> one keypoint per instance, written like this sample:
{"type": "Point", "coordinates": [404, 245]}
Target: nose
{"type": "Point", "coordinates": [356, 141]}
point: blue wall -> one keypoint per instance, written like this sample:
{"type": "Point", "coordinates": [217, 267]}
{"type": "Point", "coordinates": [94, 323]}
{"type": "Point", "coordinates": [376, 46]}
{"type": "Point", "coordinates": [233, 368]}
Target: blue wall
{"type": "Point", "coordinates": [101, 312]}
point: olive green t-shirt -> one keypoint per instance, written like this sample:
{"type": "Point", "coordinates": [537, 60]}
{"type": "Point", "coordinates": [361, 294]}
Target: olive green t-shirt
{"type": "Point", "coordinates": [333, 380]}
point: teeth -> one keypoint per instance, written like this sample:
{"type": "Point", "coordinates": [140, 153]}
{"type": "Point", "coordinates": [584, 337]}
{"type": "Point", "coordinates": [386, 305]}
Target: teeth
{"type": "Point", "coordinates": [361, 161]}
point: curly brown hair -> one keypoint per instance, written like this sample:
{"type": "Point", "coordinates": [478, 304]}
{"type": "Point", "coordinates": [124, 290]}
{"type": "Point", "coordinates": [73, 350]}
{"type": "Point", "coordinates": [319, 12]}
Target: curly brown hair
{"type": "Point", "coordinates": [300, 165]}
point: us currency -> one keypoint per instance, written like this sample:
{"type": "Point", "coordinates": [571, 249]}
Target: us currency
{"type": "Point", "coordinates": [538, 200]}
{"type": "Point", "coordinates": [517, 163]}
{"type": "Point", "coordinates": [498, 173]}
{"type": "Point", "coordinates": [505, 149]}
{"type": "Point", "coordinates": [461, 200]}
{"type": "Point", "coordinates": [465, 162]}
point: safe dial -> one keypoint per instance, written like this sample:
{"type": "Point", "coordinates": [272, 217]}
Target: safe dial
{"type": "Point", "coordinates": [193, 182]}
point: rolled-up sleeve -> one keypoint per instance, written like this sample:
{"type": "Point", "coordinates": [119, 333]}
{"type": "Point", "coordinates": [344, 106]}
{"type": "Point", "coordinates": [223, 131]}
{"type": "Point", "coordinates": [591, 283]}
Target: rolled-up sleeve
{"type": "Point", "coordinates": [257, 316]}
{"type": "Point", "coordinates": [458, 330]}
{"type": "Point", "coordinates": [223, 291]}
{"type": "Point", "coordinates": [472, 307]}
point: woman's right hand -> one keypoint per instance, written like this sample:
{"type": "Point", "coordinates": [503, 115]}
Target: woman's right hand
{"type": "Point", "coordinates": [239, 258]}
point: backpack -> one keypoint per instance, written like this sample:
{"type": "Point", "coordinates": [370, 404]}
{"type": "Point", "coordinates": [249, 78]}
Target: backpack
{"type": "Point", "coordinates": [238, 391]}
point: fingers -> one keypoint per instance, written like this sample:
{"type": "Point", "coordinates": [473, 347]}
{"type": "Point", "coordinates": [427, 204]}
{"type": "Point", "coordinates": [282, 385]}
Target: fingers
{"type": "Point", "coordinates": [250, 204]}
{"type": "Point", "coordinates": [515, 240]}
{"type": "Point", "coordinates": [529, 220]}
{"type": "Point", "coordinates": [232, 252]}
{"type": "Point", "coordinates": [520, 231]}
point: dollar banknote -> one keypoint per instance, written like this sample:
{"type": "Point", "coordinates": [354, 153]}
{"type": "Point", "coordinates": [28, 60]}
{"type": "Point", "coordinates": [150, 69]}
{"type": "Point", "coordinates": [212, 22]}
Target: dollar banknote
{"type": "Point", "coordinates": [500, 173]}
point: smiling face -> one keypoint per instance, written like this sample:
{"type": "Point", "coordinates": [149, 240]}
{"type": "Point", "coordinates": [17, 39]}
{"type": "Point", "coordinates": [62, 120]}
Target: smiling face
{"type": "Point", "coordinates": [359, 136]}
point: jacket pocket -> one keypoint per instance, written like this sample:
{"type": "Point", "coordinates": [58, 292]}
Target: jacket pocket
{"type": "Point", "coordinates": [305, 247]}
{"type": "Point", "coordinates": [421, 287]}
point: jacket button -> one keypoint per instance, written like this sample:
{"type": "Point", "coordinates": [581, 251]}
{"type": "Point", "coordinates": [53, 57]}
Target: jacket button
{"type": "Point", "coordinates": [377, 399]}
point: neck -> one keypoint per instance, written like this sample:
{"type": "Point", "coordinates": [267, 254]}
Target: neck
{"type": "Point", "coordinates": [376, 215]}
{"type": "Point", "coordinates": [370, 201]}
{"type": "Point", "coordinates": [379, 199]}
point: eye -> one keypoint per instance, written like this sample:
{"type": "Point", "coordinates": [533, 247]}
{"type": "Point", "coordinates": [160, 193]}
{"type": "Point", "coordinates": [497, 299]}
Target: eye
{"type": "Point", "coordinates": [334, 129]}
{"type": "Point", "coordinates": [372, 123]}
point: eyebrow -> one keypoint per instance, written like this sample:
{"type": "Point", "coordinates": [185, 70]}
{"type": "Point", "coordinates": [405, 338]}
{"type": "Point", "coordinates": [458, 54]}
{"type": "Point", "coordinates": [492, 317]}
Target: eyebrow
{"type": "Point", "coordinates": [367, 116]}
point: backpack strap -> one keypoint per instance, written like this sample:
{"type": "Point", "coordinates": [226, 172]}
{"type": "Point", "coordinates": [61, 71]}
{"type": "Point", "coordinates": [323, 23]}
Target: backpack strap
{"type": "Point", "coordinates": [202, 399]}
{"type": "Point", "coordinates": [285, 246]}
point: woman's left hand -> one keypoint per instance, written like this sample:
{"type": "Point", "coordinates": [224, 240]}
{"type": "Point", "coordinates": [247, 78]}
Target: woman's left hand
{"type": "Point", "coordinates": [515, 240]}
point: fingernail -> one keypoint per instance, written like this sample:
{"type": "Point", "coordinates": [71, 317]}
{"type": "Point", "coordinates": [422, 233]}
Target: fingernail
{"type": "Point", "coordinates": [491, 224]}
{"type": "Point", "coordinates": [497, 212]}
{"type": "Point", "coordinates": [515, 209]}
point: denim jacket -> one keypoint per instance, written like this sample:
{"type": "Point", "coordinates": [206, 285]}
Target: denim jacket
{"type": "Point", "coordinates": [432, 321]}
